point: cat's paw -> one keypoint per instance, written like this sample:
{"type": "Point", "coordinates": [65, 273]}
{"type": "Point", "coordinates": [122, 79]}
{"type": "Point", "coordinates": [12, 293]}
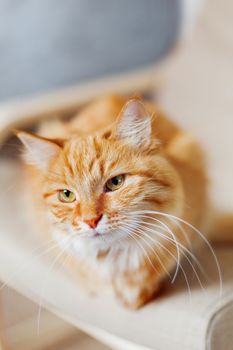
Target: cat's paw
{"type": "Point", "coordinates": [134, 297]}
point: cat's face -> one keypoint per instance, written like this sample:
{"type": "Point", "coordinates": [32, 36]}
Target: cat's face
{"type": "Point", "coordinates": [94, 186]}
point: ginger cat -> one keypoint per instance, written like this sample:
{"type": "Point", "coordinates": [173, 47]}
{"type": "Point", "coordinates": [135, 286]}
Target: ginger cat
{"type": "Point", "coordinates": [119, 187]}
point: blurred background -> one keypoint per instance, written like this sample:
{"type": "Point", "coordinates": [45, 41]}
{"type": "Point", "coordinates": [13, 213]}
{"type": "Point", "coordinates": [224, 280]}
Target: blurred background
{"type": "Point", "coordinates": [51, 45]}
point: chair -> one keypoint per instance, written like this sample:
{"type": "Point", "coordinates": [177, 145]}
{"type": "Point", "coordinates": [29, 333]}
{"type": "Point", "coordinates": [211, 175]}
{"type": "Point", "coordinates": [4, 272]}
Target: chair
{"type": "Point", "coordinates": [172, 321]}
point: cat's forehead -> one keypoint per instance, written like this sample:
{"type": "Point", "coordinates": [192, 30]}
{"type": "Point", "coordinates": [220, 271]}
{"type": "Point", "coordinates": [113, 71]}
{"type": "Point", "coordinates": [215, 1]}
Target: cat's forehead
{"type": "Point", "coordinates": [95, 156]}
{"type": "Point", "coordinates": [87, 149]}
{"type": "Point", "coordinates": [90, 145]}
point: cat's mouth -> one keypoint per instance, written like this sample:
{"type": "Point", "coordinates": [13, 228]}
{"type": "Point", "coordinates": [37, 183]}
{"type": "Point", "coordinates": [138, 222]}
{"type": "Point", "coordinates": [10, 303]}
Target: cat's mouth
{"type": "Point", "coordinates": [96, 234]}
{"type": "Point", "coordinates": [101, 235]}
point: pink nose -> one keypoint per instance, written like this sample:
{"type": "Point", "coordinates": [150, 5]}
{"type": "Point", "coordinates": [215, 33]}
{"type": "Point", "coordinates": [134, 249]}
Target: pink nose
{"type": "Point", "coordinates": [93, 222]}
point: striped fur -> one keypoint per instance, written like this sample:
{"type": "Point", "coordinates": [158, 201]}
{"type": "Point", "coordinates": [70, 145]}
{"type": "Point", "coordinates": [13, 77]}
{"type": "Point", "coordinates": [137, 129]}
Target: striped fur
{"type": "Point", "coordinates": [164, 172]}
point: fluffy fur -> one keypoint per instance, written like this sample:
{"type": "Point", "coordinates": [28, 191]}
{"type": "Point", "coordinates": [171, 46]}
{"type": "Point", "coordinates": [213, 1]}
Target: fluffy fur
{"type": "Point", "coordinates": [140, 235]}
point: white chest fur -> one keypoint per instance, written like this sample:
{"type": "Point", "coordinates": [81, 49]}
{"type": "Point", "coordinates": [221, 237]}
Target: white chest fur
{"type": "Point", "coordinates": [120, 257]}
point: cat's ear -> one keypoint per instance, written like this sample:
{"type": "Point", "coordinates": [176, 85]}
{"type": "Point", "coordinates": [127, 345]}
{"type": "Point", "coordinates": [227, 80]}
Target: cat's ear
{"type": "Point", "coordinates": [39, 151]}
{"type": "Point", "coordinates": [134, 124]}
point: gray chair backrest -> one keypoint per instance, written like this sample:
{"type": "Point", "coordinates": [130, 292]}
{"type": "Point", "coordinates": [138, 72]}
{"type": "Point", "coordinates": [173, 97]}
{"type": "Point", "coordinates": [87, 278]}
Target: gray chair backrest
{"type": "Point", "coordinates": [53, 43]}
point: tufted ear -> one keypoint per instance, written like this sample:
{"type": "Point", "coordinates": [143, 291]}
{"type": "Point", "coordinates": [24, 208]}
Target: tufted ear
{"type": "Point", "coordinates": [39, 151]}
{"type": "Point", "coordinates": [134, 124]}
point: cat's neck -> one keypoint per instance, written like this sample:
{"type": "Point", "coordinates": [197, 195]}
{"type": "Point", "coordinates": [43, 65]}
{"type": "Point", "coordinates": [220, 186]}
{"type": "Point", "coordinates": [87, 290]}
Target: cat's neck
{"type": "Point", "coordinates": [122, 255]}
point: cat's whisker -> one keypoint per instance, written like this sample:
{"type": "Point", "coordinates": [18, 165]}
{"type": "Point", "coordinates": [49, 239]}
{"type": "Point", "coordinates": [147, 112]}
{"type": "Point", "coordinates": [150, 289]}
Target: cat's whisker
{"type": "Point", "coordinates": [189, 242]}
{"type": "Point", "coordinates": [180, 266]}
{"type": "Point", "coordinates": [152, 248]}
{"type": "Point", "coordinates": [185, 235]}
{"type": "Point", "coordinates": [198, 232]}
{"type": "Point", "coordinates": [192, 256]}
{"type": "Point", "coordinates": [45, 280]}
{"type": "Point", "coordinates": [182, 269]}
{"type": "Point", "coordinates": [186, 256]}
{"type": "Point", "coordinates": [131, 234]}
{"type": "Point", "coordinates": [177, 248]}
{"type": "Point", "coordinates": [51, 245]}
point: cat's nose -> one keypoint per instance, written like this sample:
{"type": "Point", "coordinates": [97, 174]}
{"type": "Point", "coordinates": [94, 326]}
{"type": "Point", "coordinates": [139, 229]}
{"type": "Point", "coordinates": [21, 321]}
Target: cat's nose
{"type": "Point", "coordinates": [93, 222]}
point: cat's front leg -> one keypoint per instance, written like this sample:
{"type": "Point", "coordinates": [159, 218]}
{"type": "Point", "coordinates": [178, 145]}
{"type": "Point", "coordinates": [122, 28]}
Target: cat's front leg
{"type": "Point", "coordinates": [136, 288]}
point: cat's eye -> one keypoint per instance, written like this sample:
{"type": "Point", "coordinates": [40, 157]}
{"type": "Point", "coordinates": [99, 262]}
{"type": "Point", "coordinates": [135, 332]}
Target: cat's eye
{"type": "Point", "coordinates": [114, 183]}
{"type": "Point", "coordinates": [66, 196]}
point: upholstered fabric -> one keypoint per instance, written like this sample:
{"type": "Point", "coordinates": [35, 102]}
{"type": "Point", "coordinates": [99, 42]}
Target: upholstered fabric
{"type": "Point", "coordinates": [48, 44]}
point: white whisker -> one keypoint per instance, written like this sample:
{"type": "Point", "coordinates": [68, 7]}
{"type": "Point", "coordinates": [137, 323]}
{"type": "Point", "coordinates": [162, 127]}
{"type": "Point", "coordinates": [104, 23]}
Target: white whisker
{"type": "Point", "coordinates": [192, 256]}
{"type": "Point", "coordinates": [158, 257]}
{"type": "Point", "coordinates": [45, 280]}
{"type": "Point", "coordinates": [22, 267]}
{"type": "Point", "coordinates": [181, 267]}
{"type": "Point", "coordinates": [145, 252]}
{"type": "Point", "coordinates": [170, 216]}
{"type": "Point", "coordinates": [190, 262]}
{"type": "Point", "coordinates": [177, 248]}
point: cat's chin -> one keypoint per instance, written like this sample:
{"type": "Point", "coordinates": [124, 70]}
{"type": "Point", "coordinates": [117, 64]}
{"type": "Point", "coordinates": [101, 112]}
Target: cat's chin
{"type": "Point", "coordinates": [103, 239]}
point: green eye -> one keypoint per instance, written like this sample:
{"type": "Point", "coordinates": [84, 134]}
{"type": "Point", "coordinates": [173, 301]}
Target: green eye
{"type": "Point", "coordinates": [66, 196]}
{"type": "Point", "coordinates": [114, 183]}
